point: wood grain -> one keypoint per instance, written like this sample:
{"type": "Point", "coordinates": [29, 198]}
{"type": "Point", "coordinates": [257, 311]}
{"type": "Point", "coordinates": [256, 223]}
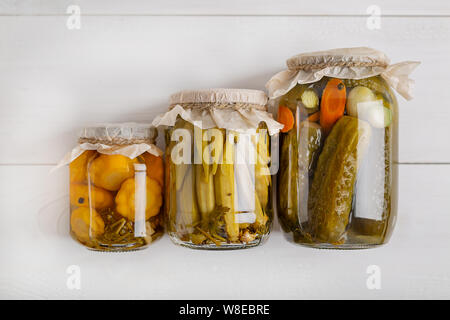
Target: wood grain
{"type": "Point", "coordinates": [230, 7]}
{"type": "Point", "coordinates": [35, 215]}
{"type": "Point", "coordinates": [122, 65]}
{"type": "Point", "coordinates": [55, 80]}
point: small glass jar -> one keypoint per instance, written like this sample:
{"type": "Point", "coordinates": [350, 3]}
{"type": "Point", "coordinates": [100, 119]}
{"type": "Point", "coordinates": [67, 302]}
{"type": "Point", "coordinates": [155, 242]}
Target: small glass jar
{"type": "Point", "coordinates": [218, 180]}
{"type": "Point", "coordinates": [337, 183]}
{"type": "Point", "coordinates": [116, 188]}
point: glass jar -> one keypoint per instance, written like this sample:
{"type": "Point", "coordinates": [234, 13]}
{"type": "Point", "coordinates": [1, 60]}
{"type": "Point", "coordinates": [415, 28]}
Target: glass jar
{"type": "Point", "coordinates": [116, 188]}
{"type": "Point", "coordinates": [337, 185]}
{"type": "Point", "coordinates": [218, 180]}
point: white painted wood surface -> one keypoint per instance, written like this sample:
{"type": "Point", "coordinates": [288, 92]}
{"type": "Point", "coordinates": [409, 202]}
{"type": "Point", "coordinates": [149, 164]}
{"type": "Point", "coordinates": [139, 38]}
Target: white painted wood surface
{"type": "Point", "coordinates": [122, 65]}
{"type": "Point", "coordinates": [229, 7]}
{"type": "Point", "coordinates": [36, 250]}
{"type": "Point", "coordinates": [55, 80]}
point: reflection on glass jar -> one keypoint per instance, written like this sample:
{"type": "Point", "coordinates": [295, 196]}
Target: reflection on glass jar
{"type": "Point", "coordinates": [115, 198]}
{"type": "Point", "coordinates": [223, 200]}
{"type": "Point", "coordinates": [218, 180]}
{"type": "Point", "coordinates": [337, 185]}
{"type": "Point", "coordinates": [335, 179]}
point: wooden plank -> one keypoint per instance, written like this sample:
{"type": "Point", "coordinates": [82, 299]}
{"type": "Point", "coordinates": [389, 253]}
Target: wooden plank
{"type": "Point", "coordinates": [54, 80]}
{"type": "Point", "coordinates": [230, 7]}
{"type": "Point", "coordinates": [37, 250]}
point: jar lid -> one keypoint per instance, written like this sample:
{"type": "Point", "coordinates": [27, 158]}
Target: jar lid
{"type": "Point", "coordinates": [119, 133]}
{"type": "Point", "coordinates": [220, 96]}
{"type": "Point", "coordinates": [342, 57]}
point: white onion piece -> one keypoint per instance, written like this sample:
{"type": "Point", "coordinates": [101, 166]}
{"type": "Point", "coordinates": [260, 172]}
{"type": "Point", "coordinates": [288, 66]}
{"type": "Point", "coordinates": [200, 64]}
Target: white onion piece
{"type": "Point", "coordinates": [379, 117]}
{"type": "Point", "coordinates": [375, 113]}
{"type": "Point", "coordinates": [357, 96]}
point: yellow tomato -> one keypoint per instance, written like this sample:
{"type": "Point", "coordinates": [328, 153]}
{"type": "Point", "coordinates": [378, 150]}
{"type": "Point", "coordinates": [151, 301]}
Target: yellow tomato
{"type": "Point", "coordinates": [109, 171]}
{"type": "Point", "coordinates": [78, 167]}
{"type": "Point", "coordinates": [86, 223]}
{"type": "Point", "coordinates": [99, 198]}
{"type": "Point", "coordinates": [155, 167]}
{"type": "Point", "coordinates": [126, 197]}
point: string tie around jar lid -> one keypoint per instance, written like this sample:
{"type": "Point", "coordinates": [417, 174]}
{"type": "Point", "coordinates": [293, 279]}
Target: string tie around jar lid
{"type": "Point", "coordinates": [231, 109]}
{"type": "Point", "coordinates": [118, 134]}
{"type": "Point", "coordinates": [233, 106]}
{"type": "Point", "coordinates": [220, 98]}
{"type": "Point", "coordinates": [127, 139]}
{"type": "Point", "coordinates": [338, 64]}
{"type": "Point", "coordinates": [342, 63]}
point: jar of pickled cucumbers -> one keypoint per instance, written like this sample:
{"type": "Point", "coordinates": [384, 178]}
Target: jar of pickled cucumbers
{"type": "Point", "coordinates": [337, 183]}
{"type": "Point", "coordinates": [218, 168]}
{"type": "Point", "coordinates": [116, 187]}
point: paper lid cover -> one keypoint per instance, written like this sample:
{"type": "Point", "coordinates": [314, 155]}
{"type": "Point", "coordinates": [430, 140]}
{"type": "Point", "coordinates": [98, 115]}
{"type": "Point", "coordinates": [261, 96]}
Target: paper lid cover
{"type": "Point", "coordinates": [220, 96]}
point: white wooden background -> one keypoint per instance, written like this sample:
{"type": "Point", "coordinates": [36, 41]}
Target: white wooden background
{"type": "Point", "coordinates": [122, 65]}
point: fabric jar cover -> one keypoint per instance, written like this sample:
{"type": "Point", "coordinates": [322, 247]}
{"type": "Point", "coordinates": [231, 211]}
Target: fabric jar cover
{"type": "Point", "coordinates": [344, 63]}
{"type": "Point", "coordinates": [127, 139]}
{"type": "Point", "coordinates": [233, 109]}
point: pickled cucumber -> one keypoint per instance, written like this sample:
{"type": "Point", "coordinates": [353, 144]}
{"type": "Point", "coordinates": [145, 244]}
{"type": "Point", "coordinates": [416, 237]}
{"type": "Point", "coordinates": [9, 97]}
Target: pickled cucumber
{"type": "Point", "coordinates": [293, 97]}
{"type": "Point", "coordinates": [297, 160]}
{"type": "Point", "coordinates": [330, 197]}
{"type": "Point", "coordinates": [287, 183]}
{"type": "Point", "coordinates": [346, 197]}
{"type": "Point", "coordinates": [373, 189]}
{"type": "Point", "coordinates": [310, 143]}
{"type": "Point", "coordinates": [203, 198]}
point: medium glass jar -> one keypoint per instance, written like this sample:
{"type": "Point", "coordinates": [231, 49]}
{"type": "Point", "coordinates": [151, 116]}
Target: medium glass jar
{"type": "Point", "coordinates": [218, 181]}
{"type": "Point", "coordinates": [337, 183]}
{"type": "Point", "coordinates": [116, 188]}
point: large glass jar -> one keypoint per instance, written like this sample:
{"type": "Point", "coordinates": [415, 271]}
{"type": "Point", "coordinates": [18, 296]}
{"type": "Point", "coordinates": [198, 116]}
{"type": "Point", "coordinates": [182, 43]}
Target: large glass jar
{"type": "Point", "coordinates": [218, 181]}
{"type": "Point", "coordinates": [337, 183]}
{"type": "Point", "coordinates": [116, 188]}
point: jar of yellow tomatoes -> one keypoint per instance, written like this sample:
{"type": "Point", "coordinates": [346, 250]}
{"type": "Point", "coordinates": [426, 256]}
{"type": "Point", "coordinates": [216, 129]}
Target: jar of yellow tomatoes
{"type": "Point", "coordinates": [116, 187]}
{"type": "Point", "coordinates": [218, 168]}
{"type": "Point", "coordinates": [337, 183]}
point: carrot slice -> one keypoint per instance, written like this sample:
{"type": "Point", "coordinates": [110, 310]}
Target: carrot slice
{"type": "Point", "coordinates": [314, 117]}
{"type": "Point", "coordinates": [285, 117]}
{"type": "Point", "coordinates": [332, 106]}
